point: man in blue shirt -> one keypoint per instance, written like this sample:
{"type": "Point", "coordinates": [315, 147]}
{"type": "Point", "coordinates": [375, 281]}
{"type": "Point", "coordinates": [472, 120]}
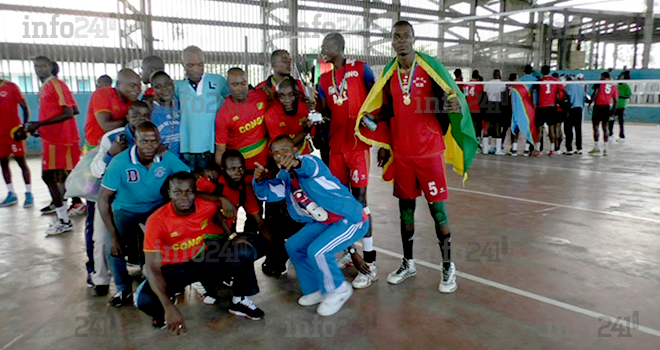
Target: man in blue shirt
{"type": "Point", "coordinates": [333, 220]}
{"type": "Point", "coordinates": [166, 111]}
{"type": "Point", "coordinates": [132, 185]}
{"type": "Point", "coordinates": [577, 95]}
{"type": "Point", "coordinates": [201, 95]}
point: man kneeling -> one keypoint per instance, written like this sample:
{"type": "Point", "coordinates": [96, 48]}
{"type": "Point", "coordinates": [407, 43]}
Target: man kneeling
{"type": "Point", "coordinates": [176, 256]}
{"type": "Point", "coordinates": [333, 220]}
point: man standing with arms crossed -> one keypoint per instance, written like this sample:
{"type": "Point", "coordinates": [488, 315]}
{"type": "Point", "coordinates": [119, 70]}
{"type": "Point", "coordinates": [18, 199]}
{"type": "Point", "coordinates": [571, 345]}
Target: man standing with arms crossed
{"type": "Point", "coordinates": [342, 92]}
{"type": "Point", "coordinates": [201, 95]}
{"type": "Point", "coordinates": [417, 144]}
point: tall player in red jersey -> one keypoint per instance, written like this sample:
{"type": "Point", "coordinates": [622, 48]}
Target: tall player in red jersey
{"type": "Point", "coordinates": [546, 111]}
{"type": "Point", "coordinates": [240, 123]}
{"type": "Point", "coordinates": [11, 140]}
{"type": "Point", "coordinates": [280, 61]}
{"type": "Point", "coordinates": [473, 95]}
{"type": "Point", "coordinates": [60, 139]}
{"type": "Point", "coordinates": [418, 148]}
{"type": "Point", "coordinates": [342, 92]}
{"type": "Point", "coordinates": [606, 99]}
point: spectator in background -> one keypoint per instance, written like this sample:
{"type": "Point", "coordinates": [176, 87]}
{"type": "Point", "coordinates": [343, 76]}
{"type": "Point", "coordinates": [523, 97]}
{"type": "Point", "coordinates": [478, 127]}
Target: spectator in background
{"type": "Point", "coordinates": [150, 64]}
{"type": "Point", "coordinates": [166, 112]}
{"type": "Point", "coordinates": [577, 96]}
{"type": "Point", "coordinates": [624, 96]}
{"type": "Point", "coordinates": [103, 81]}
{"type": "Point", "coordinates": [496, 94]}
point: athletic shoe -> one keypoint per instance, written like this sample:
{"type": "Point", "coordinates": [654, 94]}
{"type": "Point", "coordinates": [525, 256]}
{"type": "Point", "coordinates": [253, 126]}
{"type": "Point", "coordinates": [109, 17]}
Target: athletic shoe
{"type": "Point", "coordinates": [553, 153]}
{"type": "Point", "coordinates": [594, 152]}
{"type": "Point", "coordinates": [621, 139]}
{"type": "Point", "coordinates": [90, 284]}
{"type": "Point", "coordinates": [201, 291]}
{"type": "Point", "coordinates": [578, 151]}
{"type": "Point", "coordinates": [311, 299]}
{"type": "Point", "coordinates": [59, 227]}
{"type": "Point", "coordinates": [100, 290]}
{"type": "Point", "coordinates": [448, 283]}
{"type": "Point", "coordinates": [526, 154]}
{"type": "Point", "coordinates": [500, 153]}
{"type": "Point", "coordinates": [492, 150]}
{"type": "Point", "coordinates": [363, 281]}
{"type": "Point", "coordinates": [345, 260]}
{"type": "Point", "coordinates": [10, 200]}
{"type": "Point", "coordinates": [49, 209]}
{"type": "Point", "coordinates": [77, 209]}
{"type": "Point", "coordinates": [247, 309]}
{"type": "Point", "coordinates": [406, 270]}
{"type": "Point", "coordinates": [568, 153]}
{"type": "Point", "coordinates": [29, 201]}
{"type": "Point", "coordinates": [513, 153]}
{"type": "Point", "coordinates": [334, 300]}
{"type": "Point", "coordinates": [121, 298]}
{"type": "Point", "coordinates": [604, 153]}
{"type": "Point", "coordinates": [537, 153]}
{"type": "Point", "coordinates": [273, 269]}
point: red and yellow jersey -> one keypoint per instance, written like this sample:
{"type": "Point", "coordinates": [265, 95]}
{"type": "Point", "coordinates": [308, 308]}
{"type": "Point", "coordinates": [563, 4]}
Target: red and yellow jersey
{"type": "Point", "coordinates": [279, 123]}
{"type": "Point", "coordinates": [180, 238]}
{"type": "Point", "coordinates": [548, 93]}
{"type": "Point", "coordinates": [417, 134]}
{"type": "Point", "coordinates": [10, 97]}
{"type": "Point", "coordinates": [606, 93]}
{"type": "Point", "coordinates": [105, 99]}
{"type": "Point", "coordinates": [54, 96]}
{"type": "Point", "coordinates": [242, 127]}
{"type": "Point", "coordinates": [473, 96]}
{"type": "Point", "coordinates": [249, 203]}
{"type": "Point", "coordinates": [344, 109]}
{"type": "Point", "coordinates": [271, 83]}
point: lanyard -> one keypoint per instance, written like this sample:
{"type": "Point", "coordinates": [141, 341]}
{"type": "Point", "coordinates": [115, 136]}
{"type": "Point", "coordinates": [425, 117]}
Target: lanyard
{"type": "Point", "coordinates": [340, 89]}
{"type": "Point", "coordinates": [408, 89]}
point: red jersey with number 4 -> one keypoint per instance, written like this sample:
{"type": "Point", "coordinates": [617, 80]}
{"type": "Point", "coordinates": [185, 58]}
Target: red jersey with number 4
{"type": "Point", "coordinates": [242, 127]}
{"type": "Point", "coordinates": [280, 123]}
{"type": "Point", "coordinates": [472, 95]}
{"type": "Point", "coordinates": [104, 99]}
{"type": "Point", "coordinates": [606, 93]}
{"type": "Point", "coordinates": [54, 96]}
{"type": "Point", "coordinates": [417, 134]}
{"type": "Point", "coordinates": [180, 238]}
{"type": "Point", "coordinates": [10, 97]}
{"type": "Point", "coordinates": [344, 109]}
{"type": "Point", "coordinates": [548, 93]}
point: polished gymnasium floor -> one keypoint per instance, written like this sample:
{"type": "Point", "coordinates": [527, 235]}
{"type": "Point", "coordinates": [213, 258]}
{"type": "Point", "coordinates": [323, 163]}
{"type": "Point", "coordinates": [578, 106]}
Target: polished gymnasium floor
{"type": "Point", "coordinates": [552, 253]}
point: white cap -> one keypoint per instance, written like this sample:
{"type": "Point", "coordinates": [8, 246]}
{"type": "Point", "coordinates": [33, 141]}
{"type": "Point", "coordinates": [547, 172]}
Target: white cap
{"type": "Point", "coordinates": [580, 76]}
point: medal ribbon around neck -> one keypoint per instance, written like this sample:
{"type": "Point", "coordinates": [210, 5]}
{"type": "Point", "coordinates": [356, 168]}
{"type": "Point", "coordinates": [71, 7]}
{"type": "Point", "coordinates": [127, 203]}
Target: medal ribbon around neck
{"type": "Point", "coordinates": [340, 89]}
{"type": "Point", "coordinates": [408, 89]}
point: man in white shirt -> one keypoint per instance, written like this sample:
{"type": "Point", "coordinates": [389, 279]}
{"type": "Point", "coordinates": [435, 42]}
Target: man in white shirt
{"type": "Point", "coordinates": [496, 93]}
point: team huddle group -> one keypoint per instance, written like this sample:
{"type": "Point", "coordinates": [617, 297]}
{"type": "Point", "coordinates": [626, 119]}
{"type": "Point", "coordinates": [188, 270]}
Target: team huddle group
{"type": "Point", "coordinates": [494, 111]}
{"type": "Point", "coordinates": [177, 160]}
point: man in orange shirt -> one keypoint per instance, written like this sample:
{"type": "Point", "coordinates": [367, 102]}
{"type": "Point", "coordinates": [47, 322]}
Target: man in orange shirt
{"type": "Point", "coordinates": [176, 256]}
{"type": "Point", "coordinates": [108, 106]}
{"type": "Point", "coordinates": [59, 133]}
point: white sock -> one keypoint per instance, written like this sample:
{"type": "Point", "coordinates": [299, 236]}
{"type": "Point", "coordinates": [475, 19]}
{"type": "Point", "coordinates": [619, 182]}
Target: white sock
{"type": "Point", "coordinates": [514, 147]}
{"type": "Point", "coordinates": [597, 143]}
{"type": "Point", "coordinates": [606, 144]}
{"type": "Point", "coordinates": [62, 213]}
{"type": "Point", "coordinates": [368, 244]}
{"type": "Point", "coordinates": [10, 188]}
{"type": "Point", "coordinates": [537, 147]}
{"type": "Point", "coordinates": [236, 300]}
{"type": "Point", "coordinates": [526, 147]}
{"type": "Point", "coordinates": [28, 188]}
{"type": "Point", "coordinates": [341, 288]}
{"type": "Point", "coordinates": [498, 145]}
{"type": "Point", "coordinates": [484, 145]}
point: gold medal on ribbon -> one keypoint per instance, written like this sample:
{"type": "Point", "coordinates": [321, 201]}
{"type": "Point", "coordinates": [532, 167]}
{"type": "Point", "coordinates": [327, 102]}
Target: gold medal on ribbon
{"type": "Point", "coordinates": [407, 100]}
{"type": "Point", "coordinates": [407, 89]}
{"type": "Point", "coordinates": [340, 101]}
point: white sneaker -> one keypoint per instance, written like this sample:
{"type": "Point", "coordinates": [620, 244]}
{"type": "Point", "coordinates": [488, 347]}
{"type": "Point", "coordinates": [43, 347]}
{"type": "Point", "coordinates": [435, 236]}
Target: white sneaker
{"type": "Point", "coordinates": [406, 270]}
{"type": "Point", "coordinates": [500, 153]}
{"type": "Point", "coordinates": [201, 291]}
{"type": "Point", "coordinates": [333, 302]}
{"type": "Point", "coordinates": [59, 227]}
{"type": "Point", "coordinates": [448, 283]}
{"type": "Point", "coordinates": [345, 260]}
{"type": "Point", "coordinates": [311, 299]}
{"type": "Point", "coordinates": [621, 139]}
{"type": "Point", "coordinates": [363, 281]}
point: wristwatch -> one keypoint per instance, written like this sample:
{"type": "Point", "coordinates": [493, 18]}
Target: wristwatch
{"type": "Point", "coordinates": [232, 236]}
{"type": "Point", "coordinates": [351, 250]}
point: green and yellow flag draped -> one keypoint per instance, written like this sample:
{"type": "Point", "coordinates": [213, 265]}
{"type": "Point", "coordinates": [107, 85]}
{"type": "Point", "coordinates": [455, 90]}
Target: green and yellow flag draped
{"type": "Point", "coordinates": [460, 140]}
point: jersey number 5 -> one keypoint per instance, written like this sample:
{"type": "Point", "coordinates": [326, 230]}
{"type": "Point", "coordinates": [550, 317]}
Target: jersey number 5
{"type": "Point", "coordinates": [432, 189]}
{"type": "Point", "coordinates": [608, 88]}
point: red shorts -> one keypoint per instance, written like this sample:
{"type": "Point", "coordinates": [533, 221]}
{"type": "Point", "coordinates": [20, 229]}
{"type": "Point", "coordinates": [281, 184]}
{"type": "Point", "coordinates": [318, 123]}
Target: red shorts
{"type": "Point", "coordinates": [59, 157]}
{"type": "Point", "coordinates": [351, 166]}
{"type": "Point", "coordinates": [414, 175]}
{"type": "Point", "coordinates": [8, 146]}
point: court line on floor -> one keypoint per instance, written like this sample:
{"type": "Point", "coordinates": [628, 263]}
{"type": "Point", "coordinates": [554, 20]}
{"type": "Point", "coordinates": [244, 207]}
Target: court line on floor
{"type": "Point", "coordinates": [523, 293]}
{"type": "Point", "coordinates": [12, 342]}
{"type": "Point", "coordinates": [556, 167]}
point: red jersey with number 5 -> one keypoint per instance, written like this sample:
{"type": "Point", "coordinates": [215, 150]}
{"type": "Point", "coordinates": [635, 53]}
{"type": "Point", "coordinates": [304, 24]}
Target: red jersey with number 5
{"type": "Point", "coordinates": [472, 95]}
{"type": "Point", "coordinates": [606, 93]}
{"type": "Point", "coordinates": [548, 93]}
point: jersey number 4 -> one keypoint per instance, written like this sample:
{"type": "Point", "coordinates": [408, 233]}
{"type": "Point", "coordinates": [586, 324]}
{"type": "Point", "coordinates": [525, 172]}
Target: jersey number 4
{"type": "Point", "coordinates": [355, 177]}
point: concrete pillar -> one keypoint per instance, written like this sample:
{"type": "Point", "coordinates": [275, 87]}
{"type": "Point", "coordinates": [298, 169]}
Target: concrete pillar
{"type": "Point", "coordinates": [500, 52]}
{"type": "Point", "coordinates": [473, 30]}
{"type": "Point", "coordinates": [648, 33]}
{"type": "Point", "coordinates": [441, 30]}
{"type": "Point", "coordinates": [616, 55]}
{"type": "Point", "coordinates": [604, 55]}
